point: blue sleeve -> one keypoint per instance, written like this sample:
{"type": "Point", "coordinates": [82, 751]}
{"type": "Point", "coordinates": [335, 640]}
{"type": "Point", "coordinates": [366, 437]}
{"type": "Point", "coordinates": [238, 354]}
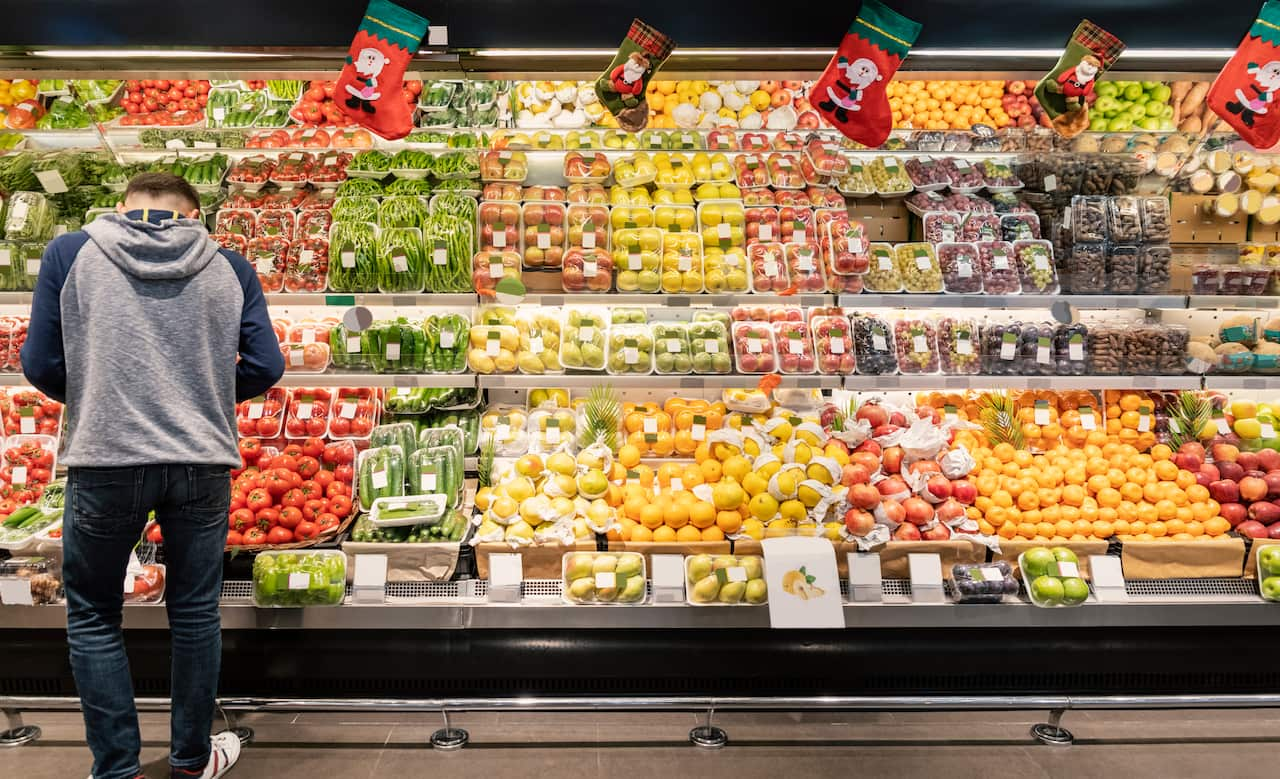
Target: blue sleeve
{"type": "Point", "coordinates": [261, 364]}
{"type": "Point", "coordinates": [43, 357]}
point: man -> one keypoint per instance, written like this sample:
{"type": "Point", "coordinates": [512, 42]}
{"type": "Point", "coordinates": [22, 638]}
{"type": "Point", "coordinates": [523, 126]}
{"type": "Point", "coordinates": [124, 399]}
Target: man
{"type": "Point", "coordinates": [136, 323]}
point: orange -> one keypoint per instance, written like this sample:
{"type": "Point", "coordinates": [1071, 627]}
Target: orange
{"type": "Point", "coordinates": [665, 534]}
{"type": "Point", "coordinates": [1044, 529]}
{"type": "Point", "coordinates": [1002, 498]}
{"type": "Point", "coordinates": [1096, 466]}
{"type": "Point", "coordinates": [1161, 452]}
{"type": "Point", "coordinates": [1098, 482]}
{"type": "Point", "coordinates": [1130, 401]}
{"type": "Point", "coordinates": [1108, 497]}
{"type": "Point", "coordinates": [1186, 514]}
{"type": "Point", "coordinates": [711, 471]}
{"type": "Point", "coordinates": [1009, 530]}
{"type": "Point", "coordinates": [1197, 493]}
{"type": "Point", "coordinates": [1070, 513]}
{"type": "Point", "coordinates": [651, 516]}
{"type": "Point", "coordinates": [633, 506]}
{"type": "Point", "coordinates": [1131, 491]}
{"type": "Point", "coordinates": [1004, 451]}
{"type": "Point", "coordinates": [1052, 514]}
{"type": "Point", "coordinates": [641, 533]}
{"type": "Point", "coordinates": [1175, 526]}
{"type": "Point", "coordinates": [713, 534]}
{"type": "Point", "coordinates": [1165, 470]}
{"type": "Point", "coordinates": [1147, 512]}
{"type": "Point", "coordinates": [1028, 500]}
{"type": "Point", "coordinates": [1127, 510]}
{"type": "Point", "coordinates": [728, 522]}
{"type": "Point", "coordinates": [1153, 492]}
{"type": "Point", "coordinates": [1120, 526]}
{"type": "Point", "coordinates": [688, 533]}
{"type": "Point", "coordinates": [1107, 514]}
{"type": "Point", "coordinates": [1026, 529]}
{"type": "Point", "coordinates": [1216, 526]}
{"type": "Point", "coordinates": [1138, 528]}
{"type": "Point", "coordinates": [1158, 529]}
{"type": "Point", "coordinates": [1137, 475]}
{"type": "Point", "coordinates": [1034, 516]}
{"type": "Point", "coordinates": [1101, 529]}
{"type": "Point", "coordinates": [1185, 478]}
{"type": "Point", "coordinates": [1073, 495]}
{"type": "Point", "coordinates": [1063, 528]}
{"type": "Point", "coordinates": [676, 515]}
{"type": "Point", "coordinates": [629, 456]}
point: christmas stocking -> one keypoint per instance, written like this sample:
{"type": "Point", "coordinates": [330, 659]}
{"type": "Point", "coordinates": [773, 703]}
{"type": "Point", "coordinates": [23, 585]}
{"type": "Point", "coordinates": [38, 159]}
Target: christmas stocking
{"type": "Point", "coordinates": [621, 88]}
{"type": "Point", "coordinates": [369, 89]}
{"type": "Point", "coordinates": [1244, 92]}
{"type": "Point", "coordinates": [1065, 92]}
{"type": "Point", "coordinates": [850, 93]}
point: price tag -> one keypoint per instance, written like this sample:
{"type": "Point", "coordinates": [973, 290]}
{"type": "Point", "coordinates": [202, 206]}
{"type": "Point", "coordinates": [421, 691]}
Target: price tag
{"type": "Point", "coordinates": [884, 262]}
{"type": "Point", "coordinates": [500, 236]}
{"type": "Point", "coordinates": [964, 268]}
{"type": "Point", "coordinates": [922, 261]}
{"type": "Point", "coordinates": [393, 351]}
{"type": "Point", "coordinates": [6, 257]}
{"type": "Point", "coordinates": [347, 409]}
{"type": "Point", "coordinates": [1268, 430]}
{"type": "Point", "coordinates": [919, 343]}
{"type": "Point", "coordinates": [379, 480]}
{"type": "Point", "coordinates": [1087, 420]}
{"type": "Point", "coordinates": [1008, 346]}
{"type": "Point", "coordinates": [265, 264]}
{"type": "Point", "coordinates": [52, 181]}
{"type": "Point", "coordinates": [305, 407]}
{"type": "Point", "coordinates": [348, 259]}
{"type": "Point", "coordinates": [673, 345]}
{"type": "Point", "coordinates": [26, 420]}
{"type": "Point", "coordinates": [1174, 427]}
{"type": "Point", "coordinates": [440, 254]}
{"type": "Point", "coordinates": [353, 344]}
{"type": "Point", "coordinates": [766, 231]}
{"type": "Point", "coordinates": [926, 578]}
{"type": "Point", "coordinates": [1043, 351]}
{"type": "Point", "coordinates": [299, 581]}
{"type": "Point", "coordinates": [771, 268]}
{"type": "Point", "coordinates": [544, 236]}
{"type": "Point", "coordinates": [428, 478]}
{"type": "Point", "coordinates": [795, 344]}
{"type": "Point", "coordinates": [448, 338]}
{"type": "Point", "coordinates": [964, 344]}
{"type": "Point", "coordinates": [1144, 419]}
{"type": "Point", "coordinates": [676, 484]}
{"type": "Point", "coordinates": [650, 426]}
{"type": "Point", "coordinates": [399, 263]}
{"type": "Point", "coordinates": [370, 577]}
{"type": "Point", "coordinates": [754, 346]}
{"type": "Point", "coordinates": [999, 259]}
{"type": "Point", "coordinates": [803, 582]}
{"type": "Point", "coordinates": [1041, 413]}
{"type": "Point", "coordinates": [1221, 422]}
{"type": "Point", "coordinates": [684, 261]}
{"type": "Point", "coordinates": [989, 574]}
{"type": "Point", "coordinates": [837, 341]}
{"type": "Point", "coordinates": [496, 268]}
{"type": "Point", "coordinates": [506, 572]}
{"type": "Point", "coordinates": [699, 429]}
{"type": "Point", "coordinates": [724, 231]}
{"type": "Point", "coordinates": [296, 355]}
{"type": "Point", "coordinates": [630, 354]}
{"type": "Point", "coordinates": [606, 580]}
{"type": "Point", "coordinates": [553, 431]}
{"type": "Point", "coordinates": [493, 344]}
{"type": "Point", "coordinates": [804, 261]}
{"type": "Point", "coordinates": [736, 574]}
{"type": "Point", "coordinates": [19, 474]}
{"type": "Point", "coordinates": [175, 143]}
{"type": "Point", "coordinates": [306, 257]}
{"type": "Point", "coordinates": [949, 412]}
{"type": "Point", "coordinates": [587, 333]}
{"type": "Point", "coordinates": [1041, 261]}
{"type": "Point", "coordinates": [879, 341]}
{"type": "Point", "coordinates": [633, 261]}
{"type": "Point", "coordinates": [1050, 183]}
{"type": "Point", "coordinates": [712, 346]}
{"type": "Point", "coordinates": [535, 343]}
{"type": "Point", "coordinates": [502, 430]}
{"type": "Point", "coordinates": [798, 233]}
{"type": "Point", "coordinates": [255, 407]}
{"type": "Point", "coordinates": [308, 335]}
{"type": "Point", "coordinates": [17, 592]}
{"type": "Point", "coordinates": [33, 267]}
{"type": "Point", "coordinates": [1075, 348]}
{"type": "Point", "coordinates": [589, 236]}
{"type": "Point", "coordinates": [589, 268]}
{"type": "Point", "coordinates": [1068, 569]}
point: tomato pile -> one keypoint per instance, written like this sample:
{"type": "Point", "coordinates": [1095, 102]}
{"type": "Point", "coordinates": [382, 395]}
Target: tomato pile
{"type": "Point", "coordinates": [298, 494]}
{"type": "Point", "coordinates": [164, 102]}
{"type": "Point", "coordinates": [317, 106]}
{"type": "Point", "coordinates": [31, 413]}
{"type": "Point", "coordinates": [27, 468]}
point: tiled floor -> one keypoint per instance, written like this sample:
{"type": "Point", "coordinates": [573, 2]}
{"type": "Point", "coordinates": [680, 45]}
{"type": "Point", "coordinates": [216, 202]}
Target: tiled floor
{"type": "Point", "coordinates": [902, 746]}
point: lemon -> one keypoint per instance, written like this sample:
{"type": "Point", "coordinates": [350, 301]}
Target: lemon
{"type": "Point", "coordinates": [727, 495]}
{"type": "Point", "coordinates": [763, 507]}
{"type": "Point", "coordinates": [792, 510]}
{"type": "Point", "coordinates": [737, 467]}
{"type": "Point", "coordinates": [755, 483]}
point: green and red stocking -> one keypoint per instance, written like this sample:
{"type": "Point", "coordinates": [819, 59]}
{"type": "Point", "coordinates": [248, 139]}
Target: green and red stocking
{"type": "Point", "coordinates": [1065, 92]}
{"type": "Point", "coordinates": [1244, 93]}
{"type": "Point", "coordinates": [622, 86]}
{"type": "Point", "coordinates": [369, 89]}
{"type": "Point", "coordinates": [850, 94]}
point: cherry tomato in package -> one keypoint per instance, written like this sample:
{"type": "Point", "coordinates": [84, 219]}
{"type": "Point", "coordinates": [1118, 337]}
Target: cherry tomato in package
{"type": "Point", "coordinates": [262, 416]}
{"type": "Point", "coordinates": [308, 414]}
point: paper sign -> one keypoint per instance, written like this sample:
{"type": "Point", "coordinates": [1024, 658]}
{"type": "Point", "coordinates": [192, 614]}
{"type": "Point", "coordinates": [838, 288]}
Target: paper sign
{"type": "Point", "coordinates": [864, 577]}
{"type": "Point", "coordinates": [17, 592]}
{"type": "Point", "coordinates": [667, 571]}
{"type": "Point", "coordinates": [926, 578]}
{"type": "Point", "coordinates": [370, 572]}
{"type": "Point", "coordinates": [19, 474]}
{"type": "Point", "coordinates": [1108, 579]}
{"type": "Point", "coordinates": [506, 572]}
{"type": "Point", "coordinates": [804, 585]}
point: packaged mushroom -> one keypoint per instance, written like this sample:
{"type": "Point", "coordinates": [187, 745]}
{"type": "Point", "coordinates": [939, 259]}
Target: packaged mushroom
{"type": "Point", "coordinates": [1271, 330]}
{"type": "Point", "coordinates": [1200, 358]}
{"type": "Point", "coordinates": [1239, 328]}
{"type": "Point", "coordinates": [1266, 357]}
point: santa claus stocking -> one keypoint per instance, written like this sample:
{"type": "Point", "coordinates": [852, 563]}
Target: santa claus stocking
{"type": "Point", "coordinates": [850, 93]}
{"type": "Point", "coordinates": [1244, 93]}
{"type": "Point", "coordinates": [622, 86]}
{"type": "Point", "coordinates": [369, 89]}
{"type": "Point", "coordinates": [1065, 92]}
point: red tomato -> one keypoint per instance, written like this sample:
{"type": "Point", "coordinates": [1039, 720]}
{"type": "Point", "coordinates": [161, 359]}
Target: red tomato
{"type": "Point", "coordinates": [314, 508]}
{"type": "Point", "coordinates": [241, 520]}
{"type": "Point", "coordinates": [326, 522]}
{"type": "Point", "coordinates": [361, 427]}
{"type": "Point", "coordinates": [343, 474]}
{"type": "Point", "coordinates": [250, 448]}
{"type": "Point", "coordinates": [237, 500]}
{"type": "Point", "coordinates": [315, 427]}
{"type": "Point", "coordinates": [265, 427]}
{"type": "Point", "coordinates": [287, 462]}
{"type": "Point", "coordinates": [323, 479]}
{"type": "Point", "coordinates": [340, 505]}
{"type": "Point", "coordinates": [267, 518]}
{"type": "Point", "coordinates": [290, 516]}
{"type": "Point", "coordinates": [338, 488]}
{"type": "Point", "coordinates": [306, 531]}
{"type": "Point", "coordinates": [336, 454]}
{"type": "Point", "coordinates": [308, 467]}
{"type": "Point", "coordinates": [153, 533]}
{"type": "Point", "coordinates": [234, 538]}
{"type": "Point", "coordinates": [293, 450]}
{"type": "Point", "coordinates": [254, 537]}
{"type": "Point", "coordinates": [279, 535]}
{"type": "Point", "coordinates": [313, 447]}
{"type": "Point", "coordinates": [258, 499]}
{"type": "Point", "coordinates": [339, 427]}
{"type": "Point", "coordinates": [278, 484]}
{"type": "Point", "coordinates": [294, 497]}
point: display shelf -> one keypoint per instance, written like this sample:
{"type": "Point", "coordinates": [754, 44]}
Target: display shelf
{"type": "Point", "coordinates": [1233, 301]}
{"type": "Point", "coordinates": [378, 380]}
{"type": "Point", "coordinates": [902, 300]}
{"type": "Point", "coordinates": [934, 381]}
{"type": "Point", "coordinates": [367, 299]}
{"type": "Point", "coordinates": [675, 301]}
{"type": "Point", "coordinates": [1241, 382]}
{"type": "Point", "coordinates": [15, 298]}
{"type": "Point", "coordinates": [587, 381]}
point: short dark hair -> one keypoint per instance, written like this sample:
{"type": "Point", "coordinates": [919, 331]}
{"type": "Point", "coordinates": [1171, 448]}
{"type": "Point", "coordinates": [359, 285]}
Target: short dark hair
{"type": "Point", "coordinates": [160, 184]}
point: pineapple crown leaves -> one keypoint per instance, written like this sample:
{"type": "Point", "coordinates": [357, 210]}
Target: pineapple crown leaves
{"type": "Point", "coordinates": [998, 418]}
{"type": "Point", "coordinates": [484, 466]}
{"type": "Point", "coordinates": [601, 415]}
{"type": "Point", "coordinates": [1190, 413]}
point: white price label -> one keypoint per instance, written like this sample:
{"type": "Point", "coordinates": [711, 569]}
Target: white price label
{"type": "Point", "coordinates": [266, 264]}
{"type": "Point", "coordinates": [255, 409]}
{"type": "Point", "coordinates": [673, 346]}
{"type": "Point", "coordinates": [724, 231]}
{"type": "Point", "coordinates": [348, 259]}
{"type": "Point", "coordinates": [308, 335]}
{"type": "Point", "coordinates": [766, 231]}
{"type": "Point", "coordinates": [1008, 349]}
{"type": "Point", "coordinates": [633, 261]}
{"type": "Point", "coordinates": [6, 257]}
{"type": "Point", "coordinates": [1043, 354]}
{"type": "Point", "coordinates": [1268, 430]}
{"type": "Point", "coordinates": [698, 431]}
{"type": "Point", "coordinates": [306, 256]}
{"type": "Point", "coordinates": [837, 344]}
{"type": "Point", "coordinates": [999, 260]}
{"type": "Point", "coordinates": [499, 239]}
{"type": "Point", "coordinates": [379, 480]}
{"type": "Point", "coordinates": [493, 345]}
{"type": "Point", "coordinates": [393, 352]}
{"type": "Point", "coordinates": [922, 262]}
{"type": "Point", "coordinates": [1223, 427]}
{"type": "Point", "coordinates": [712, 346]}
{"type": "Point", "coordinates": [1050, 183]}
{"type": "Point", "coordinates": [27, 425]}
{"type": "Point", "coordinates": [553, 432]}
{"type": "Point", "coordinates": [676, 484]}
{"type": "Point", "coordinates": [296, 357]}
{"type": "Point", "coordinates": [440, 256]}
{"type": "Point", "coordinates": [1041, 262]}
{"type": "Point", "coordinates": [1041, 415]}
{"type": "Point", "coordinates": [1068, 569]}
{"type": "Point", "coordinates": [1144, 423]}
{"type": "Point", "coordinates": [400, 263]}
{"type": "Point", "coordinates": [304, 409]}
{"type": "Point", "coordinates": [919, 344]}
{"type": "Point", "coordinates": [771, 269]}
{"type": "Point", "coordinates": [536, 344]}
{"type": "Point", "coordinates": [347, 409]}
{"type": "Point", "coordinates": [754, 346]}
{"type": "Point", "coordinates": [1075, 351]}
{"type": "Point", "coordinates": [736, 574]}
{"type": "Point", "coordinates": [795, 345]}
{"type": "Point", "coordinates": [804, 261]}
{"type": "Point", "coordinates": [964, 346]}
{"type": "Point", "coordinates": [989, 574]}
{"type": "Point", "coordinates": [502, 432]}
{"type": "Point", "coordinates": [33, 267]}
{"type": "Point", "coordinates": [19, 474]}
{"type": "Point", "coordinates": [428, 482]}
{"type": "Point", "coordinates": [587, 333]}
{"type": "Point", "coordinates": [606, 580]}
{"type": "Point", "coordinates": [799, 236]}
{"type": "Point", "coordinates": [496, 270]}
{"type": "Point", "coordinates": [878, 343]}
{"type": "Point", "coordinates": [684, 262]}
{"type": "Point", "coordinates": [650, 426]}
{"type": "Point", "coordinates": [884, 262]}
{"type": "Point", "coordinates": [630, 355]}
{"type": "Point", "coordinates": [52, 181]}
{"type": "Point", "coordinates": [964, 269]}
{"type": "Point", "coordinates": [448, 339]}
{"type": "Point", "coordinates": [353, 344]}
{"type": "Point", "coordinates": [588, 239]}
{"type": "Point", "coordinates": [299, 581]}
{"type": "Point", "coordinates": [1087, 420]}
{"type": "Point", "coordinates": [544, 240]}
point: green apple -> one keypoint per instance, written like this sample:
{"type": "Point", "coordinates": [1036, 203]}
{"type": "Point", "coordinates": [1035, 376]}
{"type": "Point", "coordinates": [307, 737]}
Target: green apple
{"type": "Point", "coordinates": [1098, 124]}
{"type": "Point", "coordinates": [1269, 559]}
{"type": "Point", "coordinates": [1121, 124]}
{"type": "Point", "coordinates": [1047, 590]}
{"type": "Point", "coordinates": [1105, 103]}
{"type": "Point", "coordinates": [1105, 89]}
{"type": "Point", "coordinates": [1151, 124]}
{"type": "Point", "coordinates": [1074, 591]}
{"type": "Point", "coordinates": [1064, 555]}
{"type": "Point", "coordinates": [1161, 93]}
{"type": "Point", "coordinates": [1132, 91]}
{"type": "Point", "coordinates": [1271, 588]}
{"type": "Point", "coordinates": [1036, 561]}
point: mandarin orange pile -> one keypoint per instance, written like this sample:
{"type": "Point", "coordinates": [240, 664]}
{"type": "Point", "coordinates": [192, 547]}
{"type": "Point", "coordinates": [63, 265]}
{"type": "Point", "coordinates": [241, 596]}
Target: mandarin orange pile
{"type": "Point", "coordinates": [947, 105]}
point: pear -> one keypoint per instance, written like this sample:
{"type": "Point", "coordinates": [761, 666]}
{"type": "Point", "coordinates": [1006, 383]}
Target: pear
{"type": "Point", "coordinates": [699, 567]}
{"type": "Point", "coordinates": [706, 590]}
{"type": "Point", "coordinates": [604, 563]}
{"type": "Point", "coordinates": [607, 594]}
{"type": "Point", "coordinates": [630, 565]}
{"type": "Point", "coordinates": [757, 591]}
{"type": "Point", "coordinates": [579, 567]}
{"type": "Point", "coordinates": [571, 355]}
{"type": "Point", "coordinates": [592, 356]}
{"type": "Point", "coordinates": [725, 561]}
{"type": "Point", "coordinates": [732, 592]}
{"type": "Point", "coordinates": [634, 590]}
{"type": "Point", "coordinates": [582, 589]}
{"type": "Point", "coordinates": [754, 567]}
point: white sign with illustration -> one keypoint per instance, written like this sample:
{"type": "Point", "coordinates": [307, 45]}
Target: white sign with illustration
{"type": "Point", "coordinates": [804, 585]}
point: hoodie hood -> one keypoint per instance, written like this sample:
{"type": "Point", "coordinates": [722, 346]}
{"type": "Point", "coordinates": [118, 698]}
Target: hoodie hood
{"type": "Point", "coordinates": [175, 249]}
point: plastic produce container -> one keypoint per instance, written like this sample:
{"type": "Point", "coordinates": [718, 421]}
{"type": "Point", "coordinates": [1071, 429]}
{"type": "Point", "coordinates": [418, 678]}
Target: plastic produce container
{"type": "Point", "coordinates": [603, 578]}
{"type": "Point", "coordinates": [725, 580]}
{"type": "Point", "coordinates": [289, 579]}
{"type": "Point", "coordinates": [584, 339]}
{"type": "Point", "coordinates": [1052, 577]}
{"type": "Point", "coordinates": [145, 586]}
{"type": "Point", "coordinates": [983, 582]}
{"type": "Point", "coordinates": [874, 346]}
{"type": "Point", "coordinates": [795, 347]}
{"type": "Point", "coordinates": [833, 344]}
{"type": "Point", "coordinates": [753, 347]}
{"type": "Point", "coordinates": [709, 342]}
{"type": "Point", "coordinates": [29, 581]}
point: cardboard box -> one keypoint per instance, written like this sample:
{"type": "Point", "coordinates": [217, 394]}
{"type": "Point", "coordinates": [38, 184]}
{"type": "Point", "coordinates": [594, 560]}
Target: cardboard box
{"type": "Point", "coordinates": [885, 220]}
{"type": "Point", "coordinates": [1183, 559]}
{"type": "Point", "coordinates": [1192, 225]}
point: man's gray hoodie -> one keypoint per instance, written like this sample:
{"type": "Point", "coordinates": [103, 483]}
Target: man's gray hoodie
{"type": "Point", "coordinates": [137, 325]}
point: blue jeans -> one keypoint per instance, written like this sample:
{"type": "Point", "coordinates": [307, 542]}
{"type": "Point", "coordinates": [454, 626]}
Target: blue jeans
{"type": "Point", "coordinates": [106, 513]}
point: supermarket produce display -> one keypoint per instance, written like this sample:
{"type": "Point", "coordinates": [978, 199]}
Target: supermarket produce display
{"type": "Point", "coordinates": [632, 360]}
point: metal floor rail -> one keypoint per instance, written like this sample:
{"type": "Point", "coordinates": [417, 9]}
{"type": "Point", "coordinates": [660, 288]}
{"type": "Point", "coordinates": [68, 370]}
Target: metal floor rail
{"type": "Point", "coordinates": [707, 735]}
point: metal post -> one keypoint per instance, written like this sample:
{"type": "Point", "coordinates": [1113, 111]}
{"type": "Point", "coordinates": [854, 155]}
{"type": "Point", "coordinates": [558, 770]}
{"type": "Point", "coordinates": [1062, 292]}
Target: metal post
{"type": "Point", "coordinates": [18, 733]}
{"type": "Point", "coordinates": [449, 737]}
{"type": "Point", "coordinates": [708, 736]}
{"type": "Point", "coordinates": [1052, 732]}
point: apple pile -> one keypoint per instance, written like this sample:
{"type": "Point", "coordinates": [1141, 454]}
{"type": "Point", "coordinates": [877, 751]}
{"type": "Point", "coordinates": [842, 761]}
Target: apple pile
{"type": "Point", "coordinates": [917, 500]}
{"type": "Point", "coordinates": [1245, 484]}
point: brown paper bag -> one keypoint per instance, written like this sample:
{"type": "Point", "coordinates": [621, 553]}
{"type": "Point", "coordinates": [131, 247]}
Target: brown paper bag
{"type": "Point", "coordinates": [1182, 559]}
{"type": "Point", "coordinates": [1011, 548]}
{"type": "Point", "coordinates": [408, 562]}
{"type": "Point", "coordinates": [1251, 559]}
{"type": "Point", "coordinates": [895, 565]}
{"type": "Point", "coordinates": [542, 561]}
{"type": "Point", "coordinates": [649, 548]}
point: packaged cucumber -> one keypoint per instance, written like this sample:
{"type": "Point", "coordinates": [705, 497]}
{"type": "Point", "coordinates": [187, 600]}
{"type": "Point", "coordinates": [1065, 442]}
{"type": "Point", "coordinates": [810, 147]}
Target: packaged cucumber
{"type": "Point", "coordinates": [437, 470]}
{"type": "Point", "coordinates": [402, 434]}
{"type": "Point", "coordinates": [381, 475]}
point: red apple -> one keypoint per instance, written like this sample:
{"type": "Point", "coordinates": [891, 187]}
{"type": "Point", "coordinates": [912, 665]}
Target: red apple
{"type": "Point", "coordinates": [894, 485]}
{"type": "Point", "coordinates": [919, 512]}
{"type": "Point", "coordinates": [1192, 447]}
{"type": "Point", "coordinates": [1273, 483]}
{"type": "Point", "coordinates": [1211, 470]}
{"type": "Point", "coordinates": [867, 460]}
{"type": "Point", "coordinates": [964, 491]}
{"type": "Point", "coordinates": [1225, 491]}
{"type": "Point", "coordinates": [1274, 531]}
{"type": "Point", "coordinates": [1248, 460]}
{"type": "Point", "coordinates": [898, 418]}
{"type": "Point", "coordinates": [1234, 513]}
{"type": "Point", "coordinates": [949, 510]}
{"type": "Point", "coordinates": [1187, 461]}
{"type": "Point", "coordinates": [1225, 453]}
{"type": "Point", "coordinates": [859, 522]}
{"type": "Point", "coordinates": [854, 473]}
{"type": "Point", "coordinates": [907, 532]}
{"type": "Point", "coordinates": [869, 446]}
{"type": "Point", "coordinates": [1251, 529]}
{"type": "Point", "coordinates": [1252, 488]}
{"type": "Point", "coordinates": [1268, 459]}
{"type": "Point", "coordinates": [884, 430]}
{"type": "Point", "coordinates": [1231, 470]}
{"type": "Point", "coordinates": [1264, 512]}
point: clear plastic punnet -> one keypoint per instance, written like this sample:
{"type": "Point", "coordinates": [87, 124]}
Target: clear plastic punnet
{"type": "Point", "coordinates": [795, 347]}
{"type": "Point", "coordinates": [294, 579]}
{"type": "Point", "coordinates": [630, 350]}
{"type": "Point", "coordinates": [603, 578]}
{"type": "Point", "coordinates": [672, 351]}
{"type": "Point", "coordinates": [882, 270]}
{"type": "Point", "coordinates": [709, 342]}
{"type": "Point", "coordinates": [753, 347]}
{"type": "Point", "coordinates": [543, 237]}
{"type": "Point", "coordinates": [725, 580]}
{"type": "Point", "coordinates": [960, 268]}
{"type": "Point", "coordinates": [584, 336]}
{"type": "Point", "coordinates": [917, 345]}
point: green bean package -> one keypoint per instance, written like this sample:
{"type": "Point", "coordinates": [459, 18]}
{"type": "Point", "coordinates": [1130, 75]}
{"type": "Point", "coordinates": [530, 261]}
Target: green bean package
{"type": "Point", "coordinates": [346, 349]}
{"type": "Point", "coordinates": [353, 257]}
{"type": "Point", "coordinates": [402, 434]}
{"type": "Point", "coordinates": [436, 470]}
{"type": "Point", "coordinates": [400, 261]}
{"type": "Point", "coordinates": [447, 336]}
{"type": "Point", "coordinates": [402, 211]}
{"type": "Point", "coordinates": [447, 241]}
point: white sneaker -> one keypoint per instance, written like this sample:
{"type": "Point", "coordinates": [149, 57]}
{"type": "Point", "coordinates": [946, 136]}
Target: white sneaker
{"type": "Point", "coordinates": [223, 754]}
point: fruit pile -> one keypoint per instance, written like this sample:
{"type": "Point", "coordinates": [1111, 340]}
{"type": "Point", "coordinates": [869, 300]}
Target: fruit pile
{"type": "Point", "coordinates": [953, 105]}
{"type": "Point", "coordinates": [291, 496]}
